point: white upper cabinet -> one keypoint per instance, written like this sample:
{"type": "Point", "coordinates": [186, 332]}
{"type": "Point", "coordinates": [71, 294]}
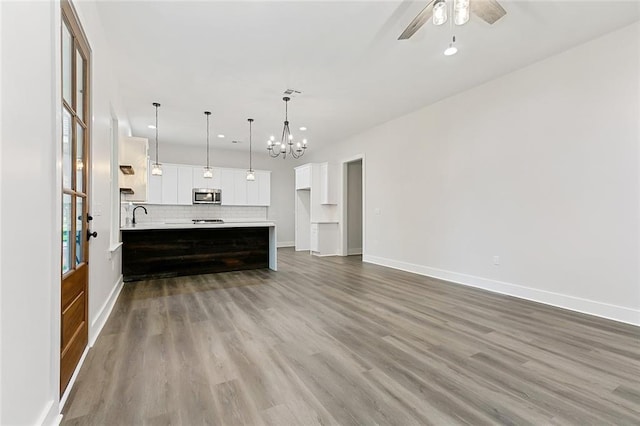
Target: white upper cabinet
{"type": "Point", "coordinates": [259, 190]}
{"type": "Point", "coordinates": [328, 184]}
{"type": "Point", "coordinates": [155, 189]}
{"type": "Point", "coordinates": [227, 185]}
{"type": "Point", "coordinates": [240, 187]}
{"type": "Point", "coordinates": [169, 184]}
{"type": "Point", "coordinates": [199, 181]}
{"type": "Point", "coordinates": [185, 184]}
{"type": "Point", "coordinates": [176, 184]}
{"type": "Point", "coordinates": [303, 177]}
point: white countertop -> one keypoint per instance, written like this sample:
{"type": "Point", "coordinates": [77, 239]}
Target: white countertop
{"type": "Point", "coordinates": [190, 225]}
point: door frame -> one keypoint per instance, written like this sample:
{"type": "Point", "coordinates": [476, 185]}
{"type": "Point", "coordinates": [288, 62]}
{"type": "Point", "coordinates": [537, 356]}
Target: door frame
{"type": "Point", "coordinates": [344, 233]}
{"type": "Point", "coordinates": [69, 17]}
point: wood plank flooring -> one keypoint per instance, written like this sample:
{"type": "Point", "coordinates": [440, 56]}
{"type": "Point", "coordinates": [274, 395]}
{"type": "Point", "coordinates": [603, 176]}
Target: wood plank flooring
{"type": "Point", "coordinates": [333, 341]}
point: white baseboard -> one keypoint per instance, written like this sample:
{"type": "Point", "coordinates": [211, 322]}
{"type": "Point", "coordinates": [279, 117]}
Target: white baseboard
{"type": "Point", "coordinates": [316, 253]}
{"type": "Point", "coordinates": [591, 307]}
{"type": "Point", "coordinates": [65, 395]}
{"type": "Point", "coordinates": [285, 244]}
{"type": "Point", "coordinates": [50, 415]}
{"type": "Point", "coordinates": [105, 311]}
{"type": "Point", "coordinates": [354, 251]}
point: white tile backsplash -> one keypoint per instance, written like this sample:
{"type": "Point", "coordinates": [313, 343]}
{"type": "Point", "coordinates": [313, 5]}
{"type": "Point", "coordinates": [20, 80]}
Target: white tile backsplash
{"type": "Point", "coordinates": [165, 213]}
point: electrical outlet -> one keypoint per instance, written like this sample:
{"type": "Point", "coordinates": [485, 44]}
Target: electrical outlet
{"type": "Point", "coordinates": [496, 260]}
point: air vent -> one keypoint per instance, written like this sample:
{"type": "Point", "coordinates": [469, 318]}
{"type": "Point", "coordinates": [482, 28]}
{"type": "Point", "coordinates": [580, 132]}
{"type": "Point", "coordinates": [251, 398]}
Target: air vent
{"type": "Point", "coordinates": [292, 92]}
{"type": "Point", "coordinates": [126, 191]}
{"type": "Point", "coordinates": [236, 141]}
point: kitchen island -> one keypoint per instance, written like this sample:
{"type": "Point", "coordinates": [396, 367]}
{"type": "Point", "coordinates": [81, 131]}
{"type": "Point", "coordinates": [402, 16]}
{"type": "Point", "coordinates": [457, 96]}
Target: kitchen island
{"type": "Point", "coordinates": [160, 250]}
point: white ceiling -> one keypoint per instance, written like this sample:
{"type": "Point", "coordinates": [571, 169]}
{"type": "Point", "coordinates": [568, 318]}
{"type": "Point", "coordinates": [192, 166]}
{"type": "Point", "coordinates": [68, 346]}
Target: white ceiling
{"type": "Point", "coordinates": [236, 58]}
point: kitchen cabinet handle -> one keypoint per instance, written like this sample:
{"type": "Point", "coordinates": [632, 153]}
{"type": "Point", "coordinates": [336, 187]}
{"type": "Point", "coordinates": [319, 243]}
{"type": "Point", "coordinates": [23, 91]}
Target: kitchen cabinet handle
{"type": "Point", "coordinates": [91, 234]}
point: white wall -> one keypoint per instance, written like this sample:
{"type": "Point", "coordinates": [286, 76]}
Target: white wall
{"type": "Point", "coordinates": [354, 207]}
{"type": "Point", "coordinates": [31, 226]}
{"type": "Point", "coordinates": [105, 261]}
{"type": "Point", "coordinates": [281, 210]}
{"type": "Point", "coordinates": [30, 245]}
{"type": "Point", "coordinates": [539, 167]}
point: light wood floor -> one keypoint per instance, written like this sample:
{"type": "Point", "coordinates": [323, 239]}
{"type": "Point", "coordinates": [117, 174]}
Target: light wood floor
{"type": "Point", "coordinates": [336, 341]}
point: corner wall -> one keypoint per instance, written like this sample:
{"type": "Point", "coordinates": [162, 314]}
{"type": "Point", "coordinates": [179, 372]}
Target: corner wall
{"type": "Point", "coordinates": [539, 167]}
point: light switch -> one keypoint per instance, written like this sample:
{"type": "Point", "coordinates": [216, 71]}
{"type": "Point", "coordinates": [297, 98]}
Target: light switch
{"type": "Point", "coordinates": [496, 260]}
{"type": "Point", "coordinates": [97, 209]}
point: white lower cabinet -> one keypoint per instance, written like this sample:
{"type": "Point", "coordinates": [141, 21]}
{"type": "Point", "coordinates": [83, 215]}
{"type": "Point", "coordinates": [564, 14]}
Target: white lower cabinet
{"type": "Point", "coordinates": [324, 239]}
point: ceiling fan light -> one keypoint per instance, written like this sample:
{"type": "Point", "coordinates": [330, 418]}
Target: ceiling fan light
{"type": "Point", "coordinates": [461, 12]}
{"type": "Point", "coordinates": [439, 12]}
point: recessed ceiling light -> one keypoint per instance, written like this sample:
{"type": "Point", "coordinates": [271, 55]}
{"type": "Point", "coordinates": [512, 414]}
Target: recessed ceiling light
{"type": "Point", "coordinates": [221, 136]}
{"type": "Point", "coordinates": [151, 126]}
{"type": "Point", "coordinates": [451, 50]}
{"type": "Point", "coordinates": [302, 129]}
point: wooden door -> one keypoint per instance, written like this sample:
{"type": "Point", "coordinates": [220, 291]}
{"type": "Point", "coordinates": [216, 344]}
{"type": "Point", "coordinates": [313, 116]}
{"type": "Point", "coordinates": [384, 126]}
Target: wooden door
{"type": "Point", "coordinates": [75, 193]}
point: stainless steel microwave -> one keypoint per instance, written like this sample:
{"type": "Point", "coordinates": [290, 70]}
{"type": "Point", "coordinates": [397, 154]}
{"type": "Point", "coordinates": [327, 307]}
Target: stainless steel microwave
{"type": "Point", "coordinates": [207, 196]}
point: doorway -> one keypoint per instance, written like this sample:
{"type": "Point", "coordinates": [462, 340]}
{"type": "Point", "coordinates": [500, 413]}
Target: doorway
{"type": "Point", "coordinates": [76, 133]}
{"type": "Point", "coordinates": [353, 235]}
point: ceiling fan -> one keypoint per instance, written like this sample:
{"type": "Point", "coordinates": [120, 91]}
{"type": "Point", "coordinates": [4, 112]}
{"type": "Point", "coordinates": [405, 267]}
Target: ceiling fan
{"type": "Point", "coordinates": [489, 11]}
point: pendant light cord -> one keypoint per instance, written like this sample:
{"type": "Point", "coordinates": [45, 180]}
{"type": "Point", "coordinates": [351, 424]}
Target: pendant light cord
{"type": "Point", "coordinates": [250, 145]}
{"type": "Point", "coordinates": [208, 139]}
{"type": "Point", "coordinates": [157, 105]}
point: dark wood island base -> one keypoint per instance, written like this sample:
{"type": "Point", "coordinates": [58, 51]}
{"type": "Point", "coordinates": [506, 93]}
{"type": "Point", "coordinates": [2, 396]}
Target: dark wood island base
{"type": "Point", "coordinates": [161, 253]}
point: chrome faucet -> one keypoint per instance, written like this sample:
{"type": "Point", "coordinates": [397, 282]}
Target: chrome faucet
{"type": "Point", "coordinates": [134, 213]}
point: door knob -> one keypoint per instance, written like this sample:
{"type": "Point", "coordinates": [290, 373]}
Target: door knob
{"type": "Point", "coordinates": [89, 217]}
{"type": "Point", "coordinates": [91, 234]}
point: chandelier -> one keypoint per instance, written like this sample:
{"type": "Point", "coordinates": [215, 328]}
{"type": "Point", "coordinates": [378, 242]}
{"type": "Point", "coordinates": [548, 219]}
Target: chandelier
{"type": "Point", "coordinates": [286, 144]}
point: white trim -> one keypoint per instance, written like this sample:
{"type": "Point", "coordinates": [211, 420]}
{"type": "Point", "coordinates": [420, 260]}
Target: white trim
{"type": "Point", "coordinates": [343, 232]}
{"type": "Point", "coordinates": [315, 253]}
{"type": "Point", "coordinates": [286, 244]}
{"type": "Point", "coordinates": [49, 416]}
{"type": "Point", "coordinates": [354, 251]}
{"type": "Point", "coordinates": [115, 247]}
{"type": "Point", "coordinates": [105, 311]}
{"type": "Point", "coordinates": [591, 307]}
{"type": "Point", "coordinates": [65, 395]}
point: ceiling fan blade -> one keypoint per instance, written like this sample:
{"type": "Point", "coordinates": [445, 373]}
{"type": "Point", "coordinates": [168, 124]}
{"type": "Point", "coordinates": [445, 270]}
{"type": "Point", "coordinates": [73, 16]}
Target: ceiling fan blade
{"type": "Point", "coordinates": [488, 10]}
{"type": "Point", "coordinates": [417, 23]}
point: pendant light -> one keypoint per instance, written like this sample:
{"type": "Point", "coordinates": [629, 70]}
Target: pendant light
{"type": "Point", "coordinates": [285, 146]}
{"type": "Point", "coordinates": [251, 175]}
{"type": "Point", "coordinates": [156, 168]}
{"type": "Point", "coordinates": [208, 172]}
